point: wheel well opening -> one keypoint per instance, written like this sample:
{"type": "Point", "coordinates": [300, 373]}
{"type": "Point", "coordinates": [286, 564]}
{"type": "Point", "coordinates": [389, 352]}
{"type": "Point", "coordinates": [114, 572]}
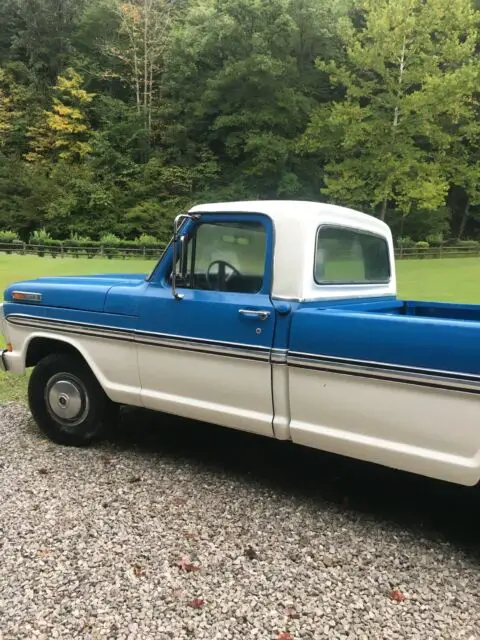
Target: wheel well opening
{"type": "Point", "coordinates": [39, 348]}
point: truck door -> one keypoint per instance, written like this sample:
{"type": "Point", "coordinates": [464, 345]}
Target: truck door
{"type": "Point", "coordinates": [207, 355]}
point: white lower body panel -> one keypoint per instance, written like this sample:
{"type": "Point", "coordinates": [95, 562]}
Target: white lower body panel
{"type": "Point", "coordinates": [232, 392]}
{"type": "Point", "coordinates": [424, 430]}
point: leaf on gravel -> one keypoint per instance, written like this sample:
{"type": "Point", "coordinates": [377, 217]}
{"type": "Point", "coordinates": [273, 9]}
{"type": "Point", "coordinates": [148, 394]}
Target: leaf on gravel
{"type": "Point", "coordinates": [138, 571]}
{"type": "Point", "coordinates": [179, 501]}
{"type": "Point", "coordinates": [396, 595]}
{"type": "Point", "coordinates": [250, 553]}
{"type": "Point", "coordinates": [284, 635]}
{"type": "Point", "coordinates": [186, 565]}
{"type": "Point", "coordinates": [291, 613]}
{"type": "Point", "coordinates": [134, 479]}
{"type": "Point", "coordinates": [43, 553]}
{"type": "Point", "coordinates": [197, 603]}
{"type": "Point", "coordinates": [43, 472]}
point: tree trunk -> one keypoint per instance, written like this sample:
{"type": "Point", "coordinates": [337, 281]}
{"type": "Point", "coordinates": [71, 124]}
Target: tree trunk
{"type": "Point", "coordinates": [463, 223]}
{"type": "Point", "coordinates": [137, 81]}
{"type": "Point", "coordinates": [383, 210]}
{"type": "Point", "coordinates": [146, 12]}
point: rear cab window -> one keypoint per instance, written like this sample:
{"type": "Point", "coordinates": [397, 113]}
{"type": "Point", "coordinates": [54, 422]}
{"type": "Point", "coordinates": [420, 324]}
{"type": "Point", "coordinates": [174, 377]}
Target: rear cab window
{"type": "Point", "coordinates": [350, 256]}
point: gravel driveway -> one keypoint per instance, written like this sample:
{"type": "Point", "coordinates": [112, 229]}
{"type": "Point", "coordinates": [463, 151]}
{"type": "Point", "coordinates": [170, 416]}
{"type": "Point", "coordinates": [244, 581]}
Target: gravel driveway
{"type": "Point", "coordinates": [177, 530]}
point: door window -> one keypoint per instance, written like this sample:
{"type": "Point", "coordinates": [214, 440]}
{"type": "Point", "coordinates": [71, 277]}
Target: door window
{"type": "Point", "coordinates": [226, 256]}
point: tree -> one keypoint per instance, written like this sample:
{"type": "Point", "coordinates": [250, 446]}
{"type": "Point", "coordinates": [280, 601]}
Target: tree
{"type": "Point", "coordinates": [240, 83]}
{"type": "Point", "coordinates": [141, 46]}
{"type": "Point", "coordinates": [41, 34]}
{"type": "Point", "coordinates": [463, 159]}
{"type": "Point", "coordinates": [408, 69]}
{"type": "Point", "coordinates": [63, 133]}
{"type": "Point", "coordinates": [7, 112]}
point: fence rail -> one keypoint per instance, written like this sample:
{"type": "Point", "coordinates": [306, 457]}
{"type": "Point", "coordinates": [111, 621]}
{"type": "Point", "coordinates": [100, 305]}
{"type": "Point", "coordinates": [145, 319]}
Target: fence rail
{"type": "Point", "coordinates": [85, 251]}
{"type": "Point", "coordinates": [153, 252]}
{"type": "Point", "coordinates": [415, 253]}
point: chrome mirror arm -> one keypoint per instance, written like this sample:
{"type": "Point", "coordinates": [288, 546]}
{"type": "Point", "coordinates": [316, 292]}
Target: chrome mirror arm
{"type": "Point", "coordinates": [177, 225]}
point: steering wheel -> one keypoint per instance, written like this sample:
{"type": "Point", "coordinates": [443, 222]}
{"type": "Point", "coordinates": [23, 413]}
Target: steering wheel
{"type": "Point", "coordinates": [222, 265]}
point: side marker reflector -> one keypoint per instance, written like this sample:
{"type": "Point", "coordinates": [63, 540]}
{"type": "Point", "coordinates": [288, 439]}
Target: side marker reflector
{"type": "Point", "coordinates": [26, 296]}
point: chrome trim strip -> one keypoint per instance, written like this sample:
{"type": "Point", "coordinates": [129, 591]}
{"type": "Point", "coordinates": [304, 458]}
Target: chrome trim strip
{"type": "Point", "coordinates": [214, 347]}
{"type": "Point", "coordinates": [423, 377]}
{"type": "Point", "coordinates": [68, 326]}
{"type": "Point", "coordinates": [241, 351]}
{"type": "Point", "coordinates": [278, 356]}
{"type": "Point", "coordinates": [380, 365]}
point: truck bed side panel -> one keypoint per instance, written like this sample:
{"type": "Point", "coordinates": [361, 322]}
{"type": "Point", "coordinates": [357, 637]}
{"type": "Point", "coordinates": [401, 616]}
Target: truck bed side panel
{"type": "Point", "coordinates": [393, 389]}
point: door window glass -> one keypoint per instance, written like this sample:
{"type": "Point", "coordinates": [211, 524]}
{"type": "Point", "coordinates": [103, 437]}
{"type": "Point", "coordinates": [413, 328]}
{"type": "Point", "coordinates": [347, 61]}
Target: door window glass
{"type": "Point", "coordinates": [226, 256]}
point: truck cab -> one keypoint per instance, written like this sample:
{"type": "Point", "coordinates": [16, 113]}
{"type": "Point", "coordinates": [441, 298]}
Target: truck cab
{"type": "Point", "coordinates": [275, 317]}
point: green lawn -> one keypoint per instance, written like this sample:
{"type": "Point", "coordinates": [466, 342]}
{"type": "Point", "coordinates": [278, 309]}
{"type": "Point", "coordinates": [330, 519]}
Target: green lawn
{"type": "Point", "coordinates": [456, 280]}
{"type": "Point", "coordinates": [449, 280]}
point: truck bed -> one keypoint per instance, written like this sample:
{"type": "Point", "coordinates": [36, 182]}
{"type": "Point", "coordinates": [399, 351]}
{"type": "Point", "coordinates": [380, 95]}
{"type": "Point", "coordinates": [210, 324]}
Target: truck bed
{"type": "Point", "coordinates": [422, 336]}
{"type": "Point", "coordinates": [422, 309]}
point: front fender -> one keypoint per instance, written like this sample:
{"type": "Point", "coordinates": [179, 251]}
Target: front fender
{"type": "Point", "coordinates": [114, 363]}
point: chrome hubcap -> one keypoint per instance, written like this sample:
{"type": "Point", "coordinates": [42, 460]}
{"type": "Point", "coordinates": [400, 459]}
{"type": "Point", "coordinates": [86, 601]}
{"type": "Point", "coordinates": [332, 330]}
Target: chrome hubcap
{"type": "Point", "coordinates": [67, 399]}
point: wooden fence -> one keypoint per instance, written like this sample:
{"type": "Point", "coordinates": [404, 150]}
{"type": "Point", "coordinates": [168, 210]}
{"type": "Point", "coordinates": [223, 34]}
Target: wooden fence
{"type": "Point", "coordinates": [153, 252]}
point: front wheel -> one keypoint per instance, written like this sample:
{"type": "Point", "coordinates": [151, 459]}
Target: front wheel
{"type": "Point", "coordinates": [66, 401]}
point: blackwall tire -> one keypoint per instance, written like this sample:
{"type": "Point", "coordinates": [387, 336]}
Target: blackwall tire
{"type": "Point", "coordinates": [66, 401]}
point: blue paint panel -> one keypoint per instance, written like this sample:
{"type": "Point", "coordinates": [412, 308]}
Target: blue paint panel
{"type": "Point", "coordinates": [207, 315]}
{"type": "Point", "coordinates": [390, 334]}
{"type": "Point", "coordinates": [73, 315]}
{"type": "Point", "coordinates": [210, 315]}
{"type": "Point", "coordinates": [78, 292]}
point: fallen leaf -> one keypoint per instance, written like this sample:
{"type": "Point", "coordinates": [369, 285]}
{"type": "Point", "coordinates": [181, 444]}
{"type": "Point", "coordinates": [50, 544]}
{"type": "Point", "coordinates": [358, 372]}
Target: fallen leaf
{"type": "Point", "coordinates": [138, 571]}
{"type": "Point", "coordinates": [251, 553]}
{"type": "Point", "coordinates": [196, 603]}
{"type": "Point", "coordinates": [43, 471]}
{"type": "Point", "coordinates": [186, 565]}
{"type": "Point", "coordinates": [284, 635]}
{"type": "Point", "coordinates": [43, 553]}
{"type": "Point", "coordinates": [134, 479]}
{"type": "Point", "coordinates": [396, 595]}
{"type": "Point", "coordinates": [291, 613]}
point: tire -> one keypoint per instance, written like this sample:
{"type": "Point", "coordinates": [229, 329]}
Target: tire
{"type": "Point", "coordinates": [67, 402]}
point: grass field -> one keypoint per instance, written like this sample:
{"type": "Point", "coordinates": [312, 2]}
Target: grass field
{"type": "Point", "coordinates": [456, 280]}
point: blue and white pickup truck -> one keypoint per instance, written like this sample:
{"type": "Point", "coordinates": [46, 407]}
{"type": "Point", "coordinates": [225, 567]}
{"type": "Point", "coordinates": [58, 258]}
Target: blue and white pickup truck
{"type": "Point", "coordinates": [274, 317]}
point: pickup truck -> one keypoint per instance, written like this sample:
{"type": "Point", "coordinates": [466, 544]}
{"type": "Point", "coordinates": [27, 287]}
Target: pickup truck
{"type": "Point", "coordinates": [275, 317]}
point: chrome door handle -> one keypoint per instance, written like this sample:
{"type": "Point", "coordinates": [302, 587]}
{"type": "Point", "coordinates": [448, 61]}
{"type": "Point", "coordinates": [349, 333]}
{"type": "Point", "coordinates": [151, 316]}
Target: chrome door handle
{"type": "Point", "coordinates": [253, 313]}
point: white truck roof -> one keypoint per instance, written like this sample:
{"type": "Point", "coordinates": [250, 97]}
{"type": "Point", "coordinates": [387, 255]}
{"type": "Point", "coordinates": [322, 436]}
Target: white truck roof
{"type": "Point", "coordinates": [296, 223]}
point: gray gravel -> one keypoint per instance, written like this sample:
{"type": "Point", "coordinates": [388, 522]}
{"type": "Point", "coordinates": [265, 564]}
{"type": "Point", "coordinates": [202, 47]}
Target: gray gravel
{"type": "Point", "coordinates": [138, 538]}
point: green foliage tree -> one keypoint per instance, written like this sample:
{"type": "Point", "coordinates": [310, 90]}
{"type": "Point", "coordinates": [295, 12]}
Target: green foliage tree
{"type": "Point", "coordinates": [408, 71]}
{"type": "Point", "coordinates": [372, 103]}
